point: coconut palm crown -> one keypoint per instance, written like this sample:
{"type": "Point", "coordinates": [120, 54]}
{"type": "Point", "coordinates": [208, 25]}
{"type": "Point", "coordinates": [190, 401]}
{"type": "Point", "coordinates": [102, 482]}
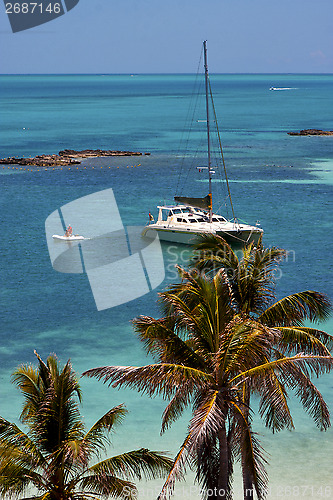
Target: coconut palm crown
{"type": "Point", "coordinates": [252, 282]}
{"type": "Point", "coordinates": [53, 458]}
{"type": "Point", "coordinates": [208, 357]}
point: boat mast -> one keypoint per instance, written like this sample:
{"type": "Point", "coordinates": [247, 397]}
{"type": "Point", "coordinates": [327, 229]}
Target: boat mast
{"type": "Point", "coordinates": [208, 131]}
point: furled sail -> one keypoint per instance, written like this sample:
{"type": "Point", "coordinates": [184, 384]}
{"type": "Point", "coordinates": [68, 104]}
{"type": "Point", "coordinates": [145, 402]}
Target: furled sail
{"type": "Point", "coordinates": [205, 203]}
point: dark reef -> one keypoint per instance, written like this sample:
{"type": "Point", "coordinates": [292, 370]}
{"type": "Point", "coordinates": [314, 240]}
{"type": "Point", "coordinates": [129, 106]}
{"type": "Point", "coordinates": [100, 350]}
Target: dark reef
{"type": "Point", "coordinates": [312, 131]}
{"type": "Point", "coordinates": [65, 157]}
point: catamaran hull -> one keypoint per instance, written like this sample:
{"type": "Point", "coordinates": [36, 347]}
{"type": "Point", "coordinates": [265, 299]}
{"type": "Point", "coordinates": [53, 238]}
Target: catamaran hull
{"type": "Point", "coordinates": [190, 237]}
{"type": "Point", "coordinates": [173, 236]}
{"type": "Point", "coordinates": [240, 237]}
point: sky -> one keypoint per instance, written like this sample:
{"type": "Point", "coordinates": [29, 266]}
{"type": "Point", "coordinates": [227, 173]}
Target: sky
{"type": "Point", "coordinates": [155, 36]}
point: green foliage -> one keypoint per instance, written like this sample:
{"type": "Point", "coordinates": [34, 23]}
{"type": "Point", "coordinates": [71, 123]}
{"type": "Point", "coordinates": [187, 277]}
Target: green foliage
{"type": "Point", "coordinates": [220, 340]}
{"type": "Point", "coordinates": [53, 457]}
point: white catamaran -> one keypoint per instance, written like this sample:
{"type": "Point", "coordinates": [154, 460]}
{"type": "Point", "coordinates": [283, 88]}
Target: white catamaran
{"type": "Point", "coordinates": [185, 222]}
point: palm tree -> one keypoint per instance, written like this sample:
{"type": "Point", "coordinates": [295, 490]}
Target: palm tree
{"type": "Point", "coordinates": [251, 279]}
{"type": "Point", "coordinates": [205, 357]}
{"type": "Point", "coordinates": [53, 457]}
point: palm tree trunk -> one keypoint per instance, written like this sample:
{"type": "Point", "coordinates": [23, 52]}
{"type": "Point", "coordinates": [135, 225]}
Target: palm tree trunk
{"type": "Point", "coordinates": [247, 482]}
{"type": "Point", "coordinates": [223, 470]}
{"type": "Point", "coordinates": [247, 479]}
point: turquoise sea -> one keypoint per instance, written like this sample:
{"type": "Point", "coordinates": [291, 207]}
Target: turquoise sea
{"type": "Point", "coordinates": [285, 182]}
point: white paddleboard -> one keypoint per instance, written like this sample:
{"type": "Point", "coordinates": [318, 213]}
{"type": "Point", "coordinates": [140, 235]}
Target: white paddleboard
{"type": "Point", "coordinates": [74, 237]}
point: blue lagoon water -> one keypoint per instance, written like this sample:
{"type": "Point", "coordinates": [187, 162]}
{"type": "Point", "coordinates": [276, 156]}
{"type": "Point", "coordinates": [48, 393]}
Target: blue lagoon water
{"type": "Point", "coordinates": [285, 182]}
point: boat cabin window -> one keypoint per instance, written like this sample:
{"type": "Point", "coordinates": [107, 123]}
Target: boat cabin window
{"type": "Point", "coordinates": [179, 219]}
{"type": "Point", "coordinates": [218, 219]}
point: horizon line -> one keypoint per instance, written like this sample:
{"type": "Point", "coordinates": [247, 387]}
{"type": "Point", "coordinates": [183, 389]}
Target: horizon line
{"type": "Point", "coordinates": [160, 73]}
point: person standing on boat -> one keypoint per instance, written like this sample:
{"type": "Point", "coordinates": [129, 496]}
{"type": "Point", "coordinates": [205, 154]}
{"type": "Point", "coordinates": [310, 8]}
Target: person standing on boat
{"type": "Point", "coordinates": [69, 231]}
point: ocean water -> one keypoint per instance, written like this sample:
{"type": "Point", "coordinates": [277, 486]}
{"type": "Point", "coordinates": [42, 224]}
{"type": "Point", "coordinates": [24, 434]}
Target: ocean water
{"type": "Point", "coordinates": [284, 182]}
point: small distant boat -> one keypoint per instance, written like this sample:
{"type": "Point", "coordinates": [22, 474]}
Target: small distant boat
{"type": "Point", "coordinates": [73, 237]}
{"type": "Point", "coordinates": [282, 88]}
{"type": "Point", "coordinates": [194, 217]}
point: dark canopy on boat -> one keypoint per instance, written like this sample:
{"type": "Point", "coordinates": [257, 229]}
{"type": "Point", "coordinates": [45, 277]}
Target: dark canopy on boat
{"type": "Point", "coordinates": [205, 203]}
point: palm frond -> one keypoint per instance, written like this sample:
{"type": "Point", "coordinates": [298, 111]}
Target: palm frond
{"type": "Point", "coordinates": [206, 429]}
{"type": "Point", "coordinates": [273, 407]}
{"type": "Point", "coordinates": [254, 280]}
{"type": "Point", "coordinates": [296, 308]}
{"type": "Point", "coordinates": [176, 406]}
{"type": "Point", "coordinates": [136, 464]}
{"type": "Point", "coordinates": [15, 443]}
{"type": "Point", "coordinates": [95, 439]}
{"type": "Point", "coordinates": [263, 259]}
{"type": "Point", "coordinates": [250, 278]}
{"type": "Point", "coordinates": [177, 471]}
{"type": "Point", "coordinates": [305, 339]}
{"type": "Point", "coordinates": [26, 378]}
{"type": "Point", "coordinates": [196, 319]}
{"type": "Point", "coordinates": [212, 252]}
{"type": "Point", "coordinates": [207, 464]}
{"type": "Point", "coordinates": [159, 379]}
{"type": "Point", "coordinates": [66, 381]}
{"type": "Point", "coordinates": [244, 343]}
{"type": "Point", "coordinates": [13, 484]}
{"type": "Point", "coordinates": [310, 397]}
{"type": "Point", "coordinates": [309, 364]}
{"type": "Point", "coordinates": [165, 341]}
{"type": "Point", "coordinates": [45, 496]}
{"type": "Point", "coordinates": [253, 455]}
{"type": "Point", "coordinates": [207, 419]}
{"type": "Point", "coordinates": [59, 418]}
{"type": "Point", "coordinates": [107, 485]}
{"type": "Point", "coordinates": [202, 306]}
{"type": "Point", "coordinates": [44, 372]}
{"type": "Point", "coordinates": [16, 474]}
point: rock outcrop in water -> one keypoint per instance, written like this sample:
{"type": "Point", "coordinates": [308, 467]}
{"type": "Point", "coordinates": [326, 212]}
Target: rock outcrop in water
{"type": "Point", "coordinates": [312, 131]}
{"type": "Point", "coordinates": [88, 153]}
{"type": "Point", "coordinates": [65, 157]}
